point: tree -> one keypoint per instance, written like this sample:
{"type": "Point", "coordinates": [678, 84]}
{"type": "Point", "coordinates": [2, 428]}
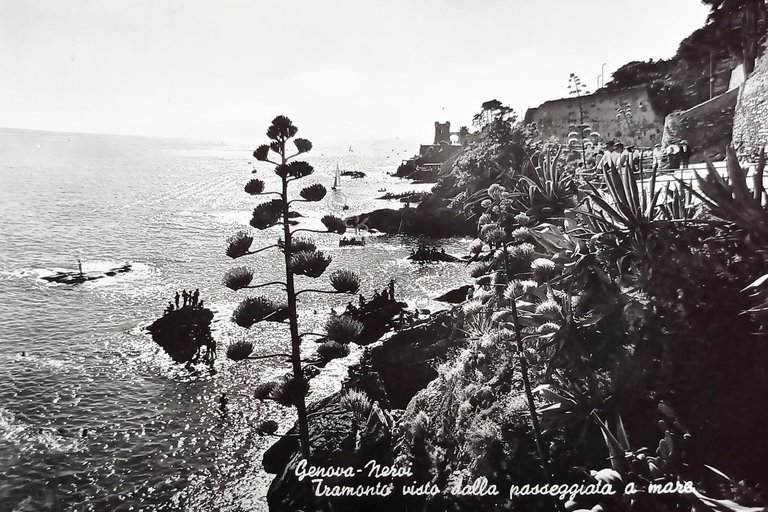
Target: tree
{"type": "Point", "coordinates": [742, 24]}
{"type": "Point", "coordinates": [301, 258]}
{"type": "Point", "coordinates": [492, 110]}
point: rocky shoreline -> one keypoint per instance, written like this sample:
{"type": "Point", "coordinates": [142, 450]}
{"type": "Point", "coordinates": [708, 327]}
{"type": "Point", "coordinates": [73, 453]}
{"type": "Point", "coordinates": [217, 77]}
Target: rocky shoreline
{"type": "Point", "coordinates": [391, 372]}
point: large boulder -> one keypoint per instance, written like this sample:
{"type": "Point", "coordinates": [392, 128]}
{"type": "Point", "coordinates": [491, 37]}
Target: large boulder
{"type": "Point", "coordinates": [427, 219]}
{"type": "Point", "coordinates": [185, 335]}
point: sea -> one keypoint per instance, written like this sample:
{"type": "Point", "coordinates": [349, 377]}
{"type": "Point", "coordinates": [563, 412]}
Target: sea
{"type": "Point", "coordinates": [93, 414]}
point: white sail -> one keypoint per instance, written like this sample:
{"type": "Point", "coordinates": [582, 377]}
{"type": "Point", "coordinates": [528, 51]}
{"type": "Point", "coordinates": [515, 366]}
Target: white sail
{"type": "Point", "coordinates": [336, 178]}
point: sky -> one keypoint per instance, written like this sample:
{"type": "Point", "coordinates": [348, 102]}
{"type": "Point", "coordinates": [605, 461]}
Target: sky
{"type": "Point", "coordinates": [341, 69]}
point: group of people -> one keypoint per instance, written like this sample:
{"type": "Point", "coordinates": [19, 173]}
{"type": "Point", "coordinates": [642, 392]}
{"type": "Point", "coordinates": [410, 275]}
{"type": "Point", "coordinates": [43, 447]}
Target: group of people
{"type": "Point", "coordinates": [615, 155]}
{"type": "Point", "coordinates": [678, 154]}
{"type": "Point", "coordinates": [426, 252]}
{"type": "Point", "coordinates": [378, 299]}
{"type": "Point", "coordinates": [186, 298]}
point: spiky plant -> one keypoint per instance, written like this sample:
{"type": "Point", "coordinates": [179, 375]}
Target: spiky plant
{"type": "Point", "coordinates": [343, 329]}
{"type": "Point", "coordinates": [300, 257]}
{"type": "Point", "coordinates": [511, 257]}
{"type": "Point", "coordinates": [332, 350]}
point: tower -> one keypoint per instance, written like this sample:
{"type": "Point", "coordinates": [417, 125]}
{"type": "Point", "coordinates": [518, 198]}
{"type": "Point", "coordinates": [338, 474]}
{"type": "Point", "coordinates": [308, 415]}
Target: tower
{"type": "Point", "coordinates": [442, 133]}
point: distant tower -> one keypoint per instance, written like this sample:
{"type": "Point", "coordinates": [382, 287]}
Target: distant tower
{"type": "Point", "coordinates": [442, 133]}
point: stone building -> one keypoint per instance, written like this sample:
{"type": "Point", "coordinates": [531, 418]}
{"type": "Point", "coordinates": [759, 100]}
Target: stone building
{"type": "Point", "coordinates": [622, 114]}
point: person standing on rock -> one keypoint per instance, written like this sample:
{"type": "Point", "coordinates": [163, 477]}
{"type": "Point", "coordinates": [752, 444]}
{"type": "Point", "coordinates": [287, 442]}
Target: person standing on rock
{"type": "Point", "coordinates": [177, 299]}
{"type": "Point", "coordinates": [195, 297]}
{"type": "Point", "coordinates": [184, 298]}
{"type": "Point", "coordinates": [392, 289]}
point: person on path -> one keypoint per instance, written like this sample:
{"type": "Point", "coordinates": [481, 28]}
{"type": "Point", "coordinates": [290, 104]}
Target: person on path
{"type": "Point", "coordinates": [195, 296]}
{"type": "Point", "coordinates": [673, 156]}
{"type": "Point", "coordinates": [685, 154]}
{"type": "Point", "coordinates": [184, 298]}
{"type": "Point", "coordinates": [177, 299]}
{"type": "Point", "coordinates": [618, 150]}
{"type": "Point", "coordinates": [658, 156]}
{"type": "Point", "coordinates": [605, 161]}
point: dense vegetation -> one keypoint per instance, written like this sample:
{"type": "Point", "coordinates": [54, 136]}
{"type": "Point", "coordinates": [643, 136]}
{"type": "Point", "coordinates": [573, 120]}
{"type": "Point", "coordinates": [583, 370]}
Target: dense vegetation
{"type": "Point", "coordinates": [629, 318]}
{"type": "Point", "coordinates": [732, 35]}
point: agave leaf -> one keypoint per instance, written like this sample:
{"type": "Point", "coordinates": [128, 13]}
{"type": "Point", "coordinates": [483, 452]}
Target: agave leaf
{"type": "Point", "coordinates": [757, 282]}
{"type": "Point", "coordinates": [738, 177]}
{"type": "Point", "coordinates": [723, 505]}
{"type": "Point", "coordinates": [615, 448]}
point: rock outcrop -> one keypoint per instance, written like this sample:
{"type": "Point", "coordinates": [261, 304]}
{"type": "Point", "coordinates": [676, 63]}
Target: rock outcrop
{"type": "Point", "coordinates": [77, 277]}
{"type": "Point", "coordinates": [430, 218]}
{"type": "Point", "coordinates": [390, 374]}
{"type": "Point", "coordinates": [185, 335]}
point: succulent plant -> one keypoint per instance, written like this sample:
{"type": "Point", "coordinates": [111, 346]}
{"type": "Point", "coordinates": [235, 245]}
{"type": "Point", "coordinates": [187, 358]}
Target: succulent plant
{"type": "Point", "coordinates": [332, 350]}
{"type": "Point", "coordinates": [343, 329]}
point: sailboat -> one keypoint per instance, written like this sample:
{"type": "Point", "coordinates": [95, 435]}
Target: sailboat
{"type": "Point", "coordinates": [336, 179]}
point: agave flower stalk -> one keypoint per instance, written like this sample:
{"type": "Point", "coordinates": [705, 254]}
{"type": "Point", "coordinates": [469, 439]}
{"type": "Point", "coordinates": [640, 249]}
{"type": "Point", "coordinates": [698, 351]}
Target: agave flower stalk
{"type": "Point", "coordinates": [497, 206]}
{"type": "Point", "coordinates": [301, 257]}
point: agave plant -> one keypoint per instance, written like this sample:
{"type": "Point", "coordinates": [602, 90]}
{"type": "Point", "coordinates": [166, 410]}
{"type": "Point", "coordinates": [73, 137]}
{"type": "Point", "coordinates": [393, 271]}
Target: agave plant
{"type": "Point", "coordinates": [734, 200]}
{"type": "Point", "coordinates": [546, 188]}
{"type": "Point", "coordinates": [301, 258]}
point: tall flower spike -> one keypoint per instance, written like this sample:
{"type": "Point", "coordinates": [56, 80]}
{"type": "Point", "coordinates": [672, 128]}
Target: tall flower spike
{"type": "Point", "coordinates": [239, 244]}
{"type": "Point", "coordinates": [313, 192]}
{"type": "Point", "coordinates": [345, 281]}
{"type": "Point", "coordinates": [238, 278]}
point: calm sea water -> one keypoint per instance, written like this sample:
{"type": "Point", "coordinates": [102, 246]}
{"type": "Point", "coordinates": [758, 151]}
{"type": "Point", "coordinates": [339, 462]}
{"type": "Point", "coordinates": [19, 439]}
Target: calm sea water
{"type": "Point", "coordinates": [95, 416]}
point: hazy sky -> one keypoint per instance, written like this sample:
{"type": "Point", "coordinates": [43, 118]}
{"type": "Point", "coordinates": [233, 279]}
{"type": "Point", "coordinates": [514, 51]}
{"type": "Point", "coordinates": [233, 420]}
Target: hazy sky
{"type": "Point", "coordinates": [343, 70]}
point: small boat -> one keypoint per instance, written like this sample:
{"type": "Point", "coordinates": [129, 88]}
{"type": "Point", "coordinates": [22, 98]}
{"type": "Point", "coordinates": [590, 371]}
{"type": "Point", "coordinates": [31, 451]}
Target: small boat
{"type": "Point", "coordinates": [350, 149]}
{"type": "Point", "coordinates": [351, 241]}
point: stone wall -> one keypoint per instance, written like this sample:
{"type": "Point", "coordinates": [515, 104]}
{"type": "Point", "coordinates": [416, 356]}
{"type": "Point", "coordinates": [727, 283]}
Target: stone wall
{"type": "Point", "coordinates": [706, 127]}
{"type": "Point", "coordinates": [750, 123]}
{"type": "Point", "coordinates": [556, 118]}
